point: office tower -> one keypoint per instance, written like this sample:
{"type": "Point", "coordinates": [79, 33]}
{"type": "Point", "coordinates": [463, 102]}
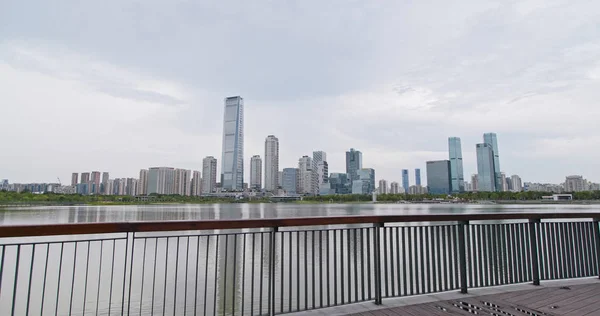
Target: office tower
{"type": "Point", "coordinates": [474, 183]}
{"type": "Point", "coordinates": [438, 177]}
{"type": "Point", "coordinates": [305, 175]}
{"type": "Point", "coordinates": [503, 182]}
{"type": "Point", "coordinates": [492, 140]}
{"type": "Point", "coordinates": [85, 177]}
{"type": "Point", "coordinates": [353, 163]}
{"type": "Point", "coordinates": [365, 184]}
{"type": "Point", "coordinates": [143, 183]}
{"type": "Point", "coordinates": [322, 176]}
{"type": "Point", "coordinates": [280, 178]}
{"type": "Point", "coordinates": [74, 178]}
{"type": "Point", "coordinates": [340, 183]}
{"type": "Point", "coordinates": [209, 175]}
{"type": "Point", "coordinates": [232, 163]}
{"type": "Point", "coordinates": [395, 188]}
{"type": "Point", "coordinates": [161, 180]}
{"type": "Point", "coordinates": [405, 182]}
{"type": "Point", "coordinates": [271, 163]}
{"type": "Point", "coordinates": [196, 183]}
{"type": "Point", "coordinates": [456, 165]}
{"type": "Point", "coordinates": [383, 187]}
{"type": "Point", "coordinates": [485, 168]}
{"type": "Point", "coordinates": [417, 176]}
{"type": "Point", "coordinates": [517, 185]}
{"type": "Point", "coordinates": [290, 180]}
{"type": "Point", "coordinates": [256, 173]}
{"type": "Point", "coordinates": [574, 184]}
{"type": "Point", "coordinates": [318, 158]}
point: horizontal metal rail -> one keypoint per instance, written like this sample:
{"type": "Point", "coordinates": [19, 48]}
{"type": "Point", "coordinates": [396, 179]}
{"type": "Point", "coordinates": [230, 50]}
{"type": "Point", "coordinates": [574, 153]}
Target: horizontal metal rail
{"type": "Point", "coordinates": [253, 267]}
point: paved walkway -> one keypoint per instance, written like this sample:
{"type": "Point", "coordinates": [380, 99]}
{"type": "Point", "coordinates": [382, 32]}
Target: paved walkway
{"type": "Point", "coordinates": [569, 297]}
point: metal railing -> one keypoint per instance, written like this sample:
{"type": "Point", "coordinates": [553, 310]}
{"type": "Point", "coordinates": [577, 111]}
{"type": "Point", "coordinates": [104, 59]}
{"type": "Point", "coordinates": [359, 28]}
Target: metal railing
{"type": "Point", "coordinates": [275, 266]}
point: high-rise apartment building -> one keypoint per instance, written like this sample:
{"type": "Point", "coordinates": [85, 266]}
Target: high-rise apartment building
{"type": "Point", "coordinates": [290, 180]}
{"type": "Point", "coordinates": [474, 183]}
{"type": "Point", "coordinates": [574, 184]}
{"type": "Point", "coordinates": [318, 158]}
{"type": "Point", "coordinates": [85, 177]}
{"type": "Point", "coordinates": [395, 188]}
{"type": "Point", "coordinates": [232, 163]}
{"type": "Point", "coordinates": [417, 176]}
{"type": "Point", "coordinates": [383, 187]}
{"type": "Point", "coordinates": [161, 180]}
{"type": "Point", "coordinates": [209, 175]}
{"type": "Point", "coordinates": [353, 163]}
{"type": "Point", "coordinates": [503, 182]}
{"type": "Point", "coordinates": [143, 183]}
{"type": "Point", "coordinates": [196, 183]}
{"type": "Point", "coordinates": [256, 173]}
{"type": "Point", "coordinates": [405, 181]}
{"type": "Point", "coordinates": [271, 163]}
{"type": "Point", "coordinates": [305, 175]}
{"type": "Point", "coordinates": [456, 165]}
{"type": "Point", "coordinates": [486, 180]}
{"type": "Point", "coordinates": [74, 178]}
{"type": "Point", "coordinates": [516, 183]}
{"type": "Point", "coordinates": [438, 177]}
{"type": "Point", "coordinates": [492, 139]}
{"type": "Point", "coordinates": [182, 181]}
{"type": "Point", "coordinates": [95, 179]}
{"type": "Point", "coordinates": [131, 186]}
{"type": "Point", "coordinates": [105, 177]}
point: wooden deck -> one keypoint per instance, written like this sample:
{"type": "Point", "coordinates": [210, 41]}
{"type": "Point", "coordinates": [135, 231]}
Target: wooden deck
{"type": "Point", "coordinates": [565, 300]}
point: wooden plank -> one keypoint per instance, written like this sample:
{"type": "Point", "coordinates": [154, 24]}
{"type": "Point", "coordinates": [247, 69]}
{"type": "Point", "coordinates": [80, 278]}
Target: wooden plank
{"type": "Point", "coordinates": [566, 297]}
{"type": "Point", "coordinates": [98, 228]}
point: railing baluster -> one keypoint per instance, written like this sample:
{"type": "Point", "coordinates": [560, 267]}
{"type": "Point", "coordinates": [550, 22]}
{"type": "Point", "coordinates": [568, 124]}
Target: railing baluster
{"type": "Point", "coordinates": [30, 279]}
{"type": "Point", "coordinates": [62, 246]}
{"type": "Point", "coordinates": [462, 254]}
{"type": "Point", "coordinates": [143, 277]}
{"type": "Point", "coordinates": [14, 292]}
{"type": "Point", "coordinates": [99, 278]}
{"type": "Point", "coordinates": [244, 276]}
{"type": "Point", "coordinates": [377, 252]}
{"type": "Point", "coordinates": [281, 273]}
{"type": "Point", "coordinates": [45, 275]}
{"type": "Point", "coordinates": [535, 269]}
{"type": "Point", "coordinates": [153, 277]}
{"type": "Point", "coordinates": [271, 289]}
{"type": "Point", "coordinates": [597, 239]}
{"type": "Point", "coordinates": [234, 272]}
{"type": "Point", "coordinates": [320, 268]}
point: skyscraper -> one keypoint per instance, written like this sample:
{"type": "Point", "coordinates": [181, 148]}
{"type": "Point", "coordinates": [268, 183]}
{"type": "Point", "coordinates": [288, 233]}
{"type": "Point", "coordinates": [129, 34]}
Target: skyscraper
{"type": "Point", "coordinates": [232, 163]}
{"type": "Point", "coordinates": [365, 184]}
{"type": "Point", "coordinates": [353, 163]}
{"type": "Point", "coordinates": [474, 183]}
{"type": "Point", "coordinates": [405, 182]}
{"type": "Point", "coordinates": [271, 163]}
{"type": "Point", "coordinates": [485, 168]}
{"type": "Point", "coordinates": [319, 176]}
{"type": "Point", "coordinates": [196, 183]}
{"type": "Point", "coordinates": [492, 140]}
{"type": "Point", "coordinates": [305, 175]}
{"type": "Point", "coordinates": [395, 188]}
{"type": "Point", "coordinates": [95, 179]}
{"type": "Point", "coordinates": [290, 180]}
{"type": "Point", "coordinates": [143, 183]}
{"type": "Point", "coordinates": [209, 172]}
{"type": "Point", "coordinates": [456, 165]}
{"type": "Point", "coordinates": [160, 180]}
{"type": "Point", "coordinates": [516, 184]}
{"type": "Point", "coordinates": [256, 173]}
{"type": "Point", "coordinates": [85, 177]}
{"type": "Point", "coordinates": [74, 179]}
{"type": "Point", "coordinates": [438, 177]}
{"type": "Point", "coordinates": [417, 176]}
{"type": "Point", "coordinates": [383, 187]}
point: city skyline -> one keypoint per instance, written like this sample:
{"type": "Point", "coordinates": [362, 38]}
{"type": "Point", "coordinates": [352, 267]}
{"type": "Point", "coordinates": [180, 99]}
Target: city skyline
{"type": "Point", "coordinates": [147, 95]}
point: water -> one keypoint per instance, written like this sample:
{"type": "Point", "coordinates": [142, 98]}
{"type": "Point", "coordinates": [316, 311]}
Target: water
{"type": "Point", "coordinates": [200, 273]}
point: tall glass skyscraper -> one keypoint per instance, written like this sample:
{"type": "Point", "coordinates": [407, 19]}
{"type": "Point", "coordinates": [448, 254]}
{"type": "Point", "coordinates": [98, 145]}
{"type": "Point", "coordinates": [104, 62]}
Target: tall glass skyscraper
{"type": "Point", "coordinates": [417, 176]}
{"type": "Point", "coordinates": [490, 138]}
{"type": "Point", "coordinates": [353, 163]}
{"type": "Point", "coordinates": [456, 165]}
{"type": "Point", "coordinates": [438, 177]}
{"type": "Point", "coordinates": [405, 182]}
{"type": "Point", "coordinates": [232, 164]}
{"type": "Point", "coordinates": [485, 168]}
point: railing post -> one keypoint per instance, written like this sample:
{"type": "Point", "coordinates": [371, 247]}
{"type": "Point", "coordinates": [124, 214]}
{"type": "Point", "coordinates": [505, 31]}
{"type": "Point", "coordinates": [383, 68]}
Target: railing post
{"type": "Point", "coordinates": [597, 237]}
{"type": "Point", "coordinates": [377, 252]}
{"type": "Point", "coordinates": [462, 255]}
{"type": "Point", "coordinates": [533, 241]}
{"type": "Point", "coordinates": [274, 231]}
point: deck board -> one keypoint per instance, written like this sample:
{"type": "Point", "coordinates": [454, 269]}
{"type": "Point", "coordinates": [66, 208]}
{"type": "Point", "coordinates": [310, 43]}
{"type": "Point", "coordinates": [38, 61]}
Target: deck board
{"type": "Point", "coordinates": [575, 300]}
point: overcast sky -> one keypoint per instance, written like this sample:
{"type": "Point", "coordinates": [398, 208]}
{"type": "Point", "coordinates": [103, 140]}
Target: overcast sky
{"type": "Point", "coordinates": [122, 85]}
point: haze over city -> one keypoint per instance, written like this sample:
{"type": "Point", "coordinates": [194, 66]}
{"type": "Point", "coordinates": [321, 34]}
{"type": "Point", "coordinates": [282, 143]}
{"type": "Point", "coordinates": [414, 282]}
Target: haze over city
{"type": "Point", "coordinates": [90, 86]}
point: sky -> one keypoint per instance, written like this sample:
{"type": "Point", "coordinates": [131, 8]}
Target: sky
{"type": "Point", "coordinates": [122, 85]}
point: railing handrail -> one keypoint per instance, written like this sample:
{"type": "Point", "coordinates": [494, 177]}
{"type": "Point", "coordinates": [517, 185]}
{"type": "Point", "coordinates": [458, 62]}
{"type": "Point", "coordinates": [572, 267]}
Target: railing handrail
{"type": "Point", "coordinates": [156, 226]}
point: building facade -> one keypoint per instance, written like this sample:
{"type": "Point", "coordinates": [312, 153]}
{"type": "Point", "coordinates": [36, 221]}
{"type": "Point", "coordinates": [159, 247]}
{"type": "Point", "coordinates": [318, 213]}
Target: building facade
{"type": "Point", "coordinates": [271, 163]}
{"type": "Point", "coordinates": [319, 158]}
{"type": "Point", "coordinates": [395, 188]}
{"type": "Point", "coordinates": [143, 184]}
{"type": "Point", "coordinates": [486, 180]}
{"type": "Point", "coordinates": [574, 184]}
{"type": "Point", "coordinates": [492, 139]}
{"type": "Point", "coordinates": [340, 183]}
{"type": "Point", "coordinates": [290, 180]}
{"type": "Point", "coordinates": [418, 176]}
{"type": "Point", "coordinates": [439, 177]}
{"type": "Point", "coordinates": [209, 172]}
{"type": "Point", "coordinates": [456, 165]}
{"type": "Point", "coordinates": [365, 184]}
{"type": "Point", "coordinates": [161, 180]}
{"type": "Point", "coordinates": [196, 186]}
{"type": "Point", "coordinates": [256, 173]}
{"type": "Point", "coordinates": [353, 163]}
{"type": "Point", "coordinates": [383, 187]}
{"type": "Point", "coordinates": [405, 180]}
{"type": "Point", "coordinates": [232, 163]}
{"type": "Point", "coordinates": [74, 179]}
{"type": "Point", "coordinates": [305, 175]}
